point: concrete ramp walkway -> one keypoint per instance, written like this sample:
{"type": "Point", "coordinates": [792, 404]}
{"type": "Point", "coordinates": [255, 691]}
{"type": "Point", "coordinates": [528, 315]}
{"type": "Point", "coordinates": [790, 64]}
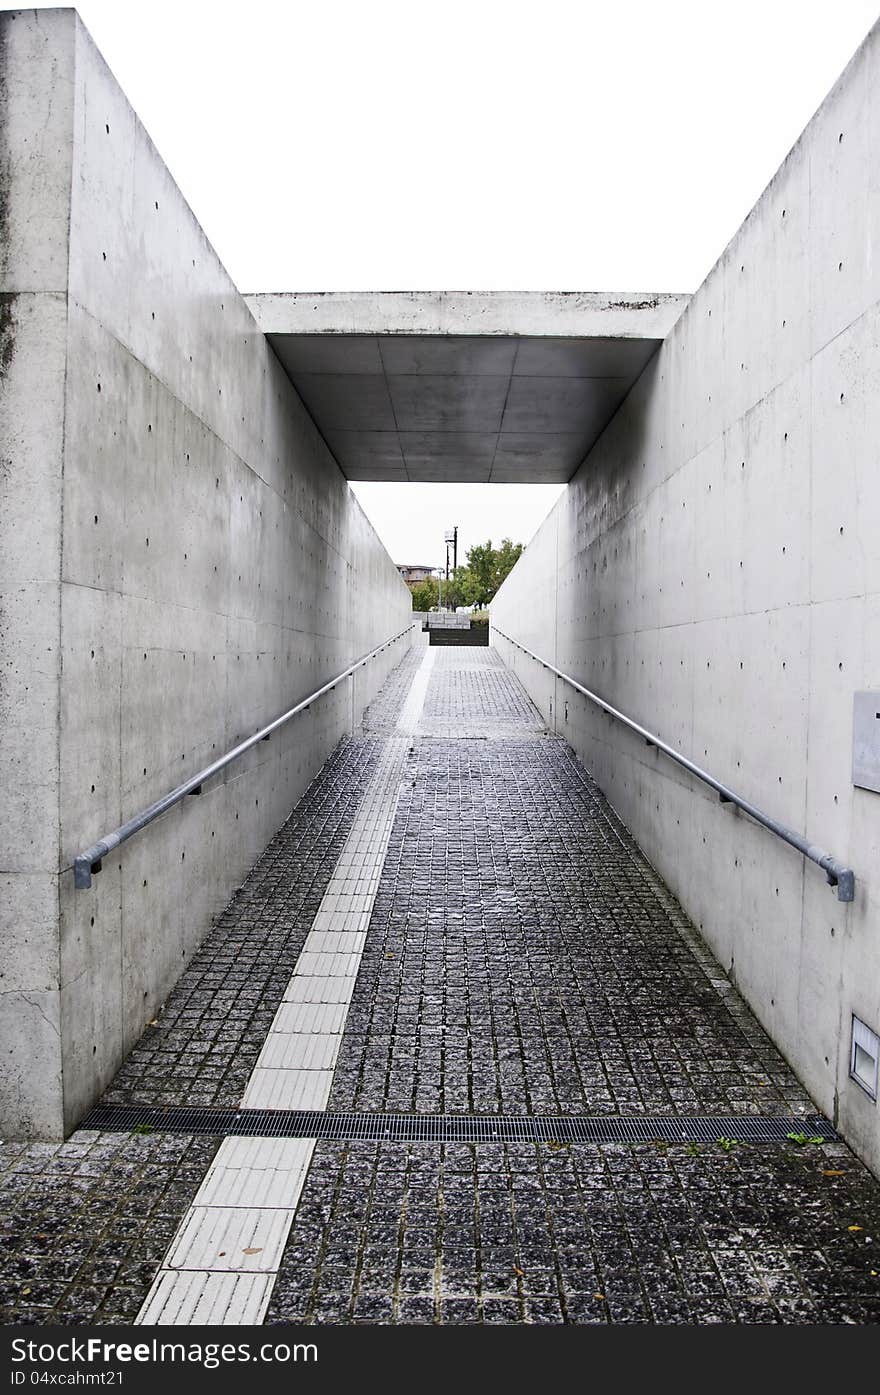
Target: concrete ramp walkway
{"type": "Point", "coordinates": [452, 1054]}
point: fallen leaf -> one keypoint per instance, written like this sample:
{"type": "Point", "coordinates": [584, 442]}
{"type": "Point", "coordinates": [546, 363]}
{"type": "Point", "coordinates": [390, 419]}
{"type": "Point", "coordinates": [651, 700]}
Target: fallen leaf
{"type": "Point", "coordinates": [873, 1273]}
{"type": "Point", "coordinates": [389, 956]}
{"type": "Point", "coordinates": [599, 1295]}
{"type": "Point", "coordinates": [252, 1250]}
{"type": "Point", "coordinates": [221, 1254]}
{"type": "Point", "coordinates": [855, 1227]}
{"type": "Point", "coordinates": [154, 1023]}
{"type": "Point", "coordinates": [521, 1272]}
{"type": "Point", "coordinates": [833, 1172]}
{"type": "Point", "coordinates": [25, 1290]}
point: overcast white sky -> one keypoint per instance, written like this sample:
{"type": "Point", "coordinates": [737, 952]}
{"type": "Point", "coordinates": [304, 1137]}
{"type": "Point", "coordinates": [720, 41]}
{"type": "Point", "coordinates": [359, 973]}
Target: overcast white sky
{"type": "Point", "coordinates": [473, 144]}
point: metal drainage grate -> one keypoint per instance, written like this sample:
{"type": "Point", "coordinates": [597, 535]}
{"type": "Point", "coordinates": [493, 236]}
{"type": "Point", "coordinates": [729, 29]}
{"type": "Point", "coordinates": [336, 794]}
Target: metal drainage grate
{"type": "Point", "coordinates": [457, 1128]}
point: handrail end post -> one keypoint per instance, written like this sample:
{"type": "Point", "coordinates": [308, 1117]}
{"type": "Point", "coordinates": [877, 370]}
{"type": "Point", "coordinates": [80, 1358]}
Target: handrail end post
{"type": "Point", "coordinates": [845, 881]}
{"type": "Point", "coordinates": [83, 867]}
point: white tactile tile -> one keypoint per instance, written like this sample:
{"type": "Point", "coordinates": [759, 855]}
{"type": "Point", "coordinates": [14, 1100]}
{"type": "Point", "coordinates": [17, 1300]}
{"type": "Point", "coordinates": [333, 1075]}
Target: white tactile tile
{"type": "Point", "coordinates": [346, 921]}
{"type": "Point", "coordinates": [221, 1238]}
{"type": "Point", "coordinates": [324, 920]}
{"type": "Point", "coordinates": [335, 942]}
{"type": "Point", "coordinates": [299, 1051]}
{"type": "Point", "coordinates": [202, 1298]}
{"type": "Point", "coordinates": [255, 1173]}
{"type": "Point", "coordinates": [288, 1089]}
{"type": "Point", "coordinates": [310, 965]}
{"type": "Point", "coordinates": [352, 902]}
{"type": "Point", "coordinates": [312, 989]}
{"type": "Point", "coordinates": [310, 1017]}
{"type": "Point", "coordinates": [362, 871]}
{"type": "Point", "coordinates": [408, 720]}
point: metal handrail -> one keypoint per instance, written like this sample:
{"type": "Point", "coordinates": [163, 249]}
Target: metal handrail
{"type": "Point", "coordinates": [838, 875]}
{"type": "Point", "coordinates": [88, 862]}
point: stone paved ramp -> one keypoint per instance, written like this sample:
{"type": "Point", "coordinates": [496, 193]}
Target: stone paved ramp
{"type": "Point", "coordinates": [521, 957]}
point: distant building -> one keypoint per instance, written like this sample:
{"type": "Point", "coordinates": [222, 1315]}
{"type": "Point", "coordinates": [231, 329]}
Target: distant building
{"type": "Point", "coordinates": [412, 575]}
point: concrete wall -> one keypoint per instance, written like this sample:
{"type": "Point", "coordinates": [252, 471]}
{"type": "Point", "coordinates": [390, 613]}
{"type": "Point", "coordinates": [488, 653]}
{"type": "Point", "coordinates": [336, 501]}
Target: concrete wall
{"type": "Point", "coordinates": [181, 561]}
{"type": "Point", "coordinates": [717, 575]}
{"type": "Point", "coordinates": [35, 171]}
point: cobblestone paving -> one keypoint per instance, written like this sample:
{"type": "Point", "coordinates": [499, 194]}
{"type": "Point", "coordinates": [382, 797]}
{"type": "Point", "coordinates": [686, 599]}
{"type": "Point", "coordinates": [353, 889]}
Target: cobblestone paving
{"type": "Point", "coordinates": [384, 710]}
{"type": "Point", "coordinates": [497, 1233]}
{"type": "Point", "coordinates": [206, 1041]}
{"type": "Point", "coordinates": [84, 1224]}
{"type": "Point", "coordinates": [522, 957]}
{"type": "Point", "coordinates": [472, 694]}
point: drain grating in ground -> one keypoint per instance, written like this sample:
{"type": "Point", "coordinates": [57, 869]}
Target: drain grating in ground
{"type": "Point", "coordinates": [451, 1128]}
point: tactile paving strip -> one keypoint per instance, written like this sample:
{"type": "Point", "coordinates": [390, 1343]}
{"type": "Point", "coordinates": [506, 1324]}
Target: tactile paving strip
{"type": "Point", "coordinates": [455, 1128]}
{"type": "Point", "coordinates": [240, 1233]}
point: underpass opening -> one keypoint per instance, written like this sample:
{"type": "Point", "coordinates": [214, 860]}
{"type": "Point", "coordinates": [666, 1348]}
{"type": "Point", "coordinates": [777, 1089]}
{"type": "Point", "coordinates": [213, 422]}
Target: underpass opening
{"type": "Point", "coordinates": [184, 560]}
{"type": "Point", "coordinates": [471, 387]}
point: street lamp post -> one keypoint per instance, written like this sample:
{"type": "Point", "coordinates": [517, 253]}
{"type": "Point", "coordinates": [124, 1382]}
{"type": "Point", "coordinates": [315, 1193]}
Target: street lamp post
{"type": "Point", "coordinates": [451, 538]}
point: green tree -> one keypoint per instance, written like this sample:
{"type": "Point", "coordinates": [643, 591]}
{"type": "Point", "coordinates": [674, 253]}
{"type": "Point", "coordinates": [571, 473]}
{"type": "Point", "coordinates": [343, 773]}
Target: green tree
{"type": "Point", "coordinates": [454, 589]}
{"type": "Point", "coordinates": [487, 566]}
{"type": "Point", "coordinates": [474, 584]}
{"type": "Point", "coordinates": [481, 585]}
{"type": "Point", "coordinates": [459, 588]}
{"type": "Point", "coordinates": [424, 595]}
{"type": "Point", "coordinates": [508, 555]}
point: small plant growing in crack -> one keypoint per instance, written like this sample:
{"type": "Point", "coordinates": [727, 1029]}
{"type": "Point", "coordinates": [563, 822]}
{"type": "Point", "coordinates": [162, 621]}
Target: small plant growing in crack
{"type": "Point", "coordinates": [728, 1144]}
{"type": "Point", "coordinates": [802, 1139]}
{"type": "Point", "coordinates": [143, 1128]}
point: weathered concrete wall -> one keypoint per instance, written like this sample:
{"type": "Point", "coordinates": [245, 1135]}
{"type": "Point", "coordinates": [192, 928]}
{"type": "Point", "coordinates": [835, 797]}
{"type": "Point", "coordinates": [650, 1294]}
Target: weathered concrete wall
{"type": "Point", "coordinates": [717, 576]}
{"type": "Point", "coordinates": [538, 314]}
{"type": "Point", "coordinates": [35, 172]}
{"type": "Point", "coordinates": [182, 560]}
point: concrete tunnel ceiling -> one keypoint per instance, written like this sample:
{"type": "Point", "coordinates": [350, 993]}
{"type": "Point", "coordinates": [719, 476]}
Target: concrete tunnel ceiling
{"type": "Point", "coordinates": [463, 386]}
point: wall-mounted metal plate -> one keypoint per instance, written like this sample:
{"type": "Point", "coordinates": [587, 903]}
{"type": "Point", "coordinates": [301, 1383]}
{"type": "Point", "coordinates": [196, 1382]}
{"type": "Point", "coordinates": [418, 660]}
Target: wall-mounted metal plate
{"type": "Point", "coordinates": [864, 1060]}
{"type": "Point", "coordinates": [866, 741]}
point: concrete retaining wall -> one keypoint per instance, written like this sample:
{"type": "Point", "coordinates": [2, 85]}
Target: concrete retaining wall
{"type": "Point", "coordinates": [717, 565]}
{"type": "Point", "coordinates": [181, 561]}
